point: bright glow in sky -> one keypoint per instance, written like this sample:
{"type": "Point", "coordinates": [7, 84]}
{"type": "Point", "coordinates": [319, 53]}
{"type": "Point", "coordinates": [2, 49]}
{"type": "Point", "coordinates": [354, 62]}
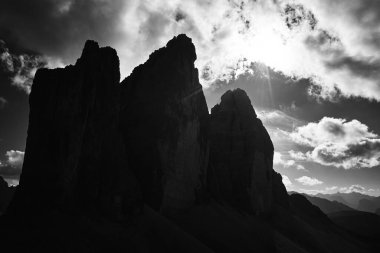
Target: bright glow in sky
{"type": "Point", "coordinates": [334, 44]}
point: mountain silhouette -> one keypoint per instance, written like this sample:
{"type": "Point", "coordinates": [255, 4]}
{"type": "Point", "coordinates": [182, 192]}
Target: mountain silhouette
{"type": "Point", "coordinates": [141, 166]}
{"type": "Point", "coordinates": [355, 200]}
{"type": "Point", "coordinates": [327, 206]}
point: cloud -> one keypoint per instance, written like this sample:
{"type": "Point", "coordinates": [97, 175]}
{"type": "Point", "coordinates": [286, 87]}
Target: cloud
{"type": "Point", "coordinates": [22, 67]}
{"type": "Point", "coordinates": [277, 159]}
{"type": "Point", "coordinates": [300, 167]}
{"type": "Point", "coordinates": [332, 188]}
{"type": "Point", "coordinates": [353, 188]}
{"type": "Point", "coordinates": [338, 142]}
{"type": "Point", "coordinates": [305, 180]}
{"type": "Point", "coordinates": [12, 181]}
{"type": "Point", "coordinates": [15, 158]}
{"type": "Point", "coordinates": [11, 168]}
{"type": "Point", "coordinates": [3, 102]}
{"type": "Point", "coordinates": [286, 181]}
{"type": "Point", "coordinates": [278, 119]}
{"type": "Point", "coordinates": [337, 50]}
{"type": "Point", "coordinates": [310, 191]}
{"type": "Point", "coordinates": [348, 43]}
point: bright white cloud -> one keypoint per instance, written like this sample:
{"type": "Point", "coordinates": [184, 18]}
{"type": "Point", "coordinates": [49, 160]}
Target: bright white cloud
{"type": "Point", "coordinates": [338, 142]}
{"type": "Point", "coordinates": [277, 160]}
{"type": "Point", "coordinates": [332, 188]}
{"type": "Point", "coordinates": [333, 46]}
{"type": "Point", "coordinates": [310, 191]}
{"type": "Point", "coordinates": [353, 188]}
{"type": "Point", "coordinates": [15, 158]}
{"type": "Point", "coordinates": [12, 181]}
{"type": "Point", "coordinates": [286, 181]}
{"type": "Point", "coordinates": [300, 167]}
{"type": "Point", "coordinates": [229, 35]}
{"type": "Point", "coordinates": [278, 119]}
{"type": "Point", "coordinates": [22, 67]}
{"type": "Point", "coordinates": [305, 180]}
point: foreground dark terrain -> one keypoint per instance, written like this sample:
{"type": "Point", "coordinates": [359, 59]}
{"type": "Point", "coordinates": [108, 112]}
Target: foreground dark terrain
{"type": "Point", "coordinates": [142, 166]}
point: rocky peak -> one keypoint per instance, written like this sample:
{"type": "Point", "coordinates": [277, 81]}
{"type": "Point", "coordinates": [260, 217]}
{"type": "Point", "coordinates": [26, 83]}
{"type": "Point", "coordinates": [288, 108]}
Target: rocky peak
{"type": "Point", "coordinates": [164, 123]}
{"type": "Point", "coordinates": [75, 158]}
{"type": "Point", "coordinates": [236, 101]}
{"type": "Point", "coordinates": [241, 156]}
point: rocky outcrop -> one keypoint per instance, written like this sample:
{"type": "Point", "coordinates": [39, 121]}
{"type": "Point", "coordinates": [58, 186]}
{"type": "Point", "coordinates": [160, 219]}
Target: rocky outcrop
{"type": "Point", "coordinates": [74, 157]}
{"type": "Point", "coordinates": [101, 147]}
{"type": "Point", "coordinates": [164, 123]}
{"type": "Point", "coordinates": [241, 157]}
{"type": "Point", "coordinates": [6, 194]}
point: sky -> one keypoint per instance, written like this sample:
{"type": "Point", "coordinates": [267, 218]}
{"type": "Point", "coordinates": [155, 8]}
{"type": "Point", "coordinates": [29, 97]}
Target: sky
{"type": "Point", "coordinates": [310, 67]}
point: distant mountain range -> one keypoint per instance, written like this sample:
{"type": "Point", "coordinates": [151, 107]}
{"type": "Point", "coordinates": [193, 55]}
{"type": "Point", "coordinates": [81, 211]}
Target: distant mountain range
{"type": "Point", "coordinates": [328, 206]}
{"type": "Point", "coordinates": [336, 202]}
{"type": "Point", "coordinates": [339, 209]}
{"type": "Point", "coordinates": [355, 200]}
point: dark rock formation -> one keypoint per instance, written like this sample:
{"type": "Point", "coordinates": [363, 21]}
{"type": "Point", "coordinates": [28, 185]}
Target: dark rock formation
{"type": "Point", "coordinates": [164, 120]}
{"type": "Point", "coordinates": [301, 206]}
{"type": "Point", "coordinates": [241, 157]}
{"type": "Point", "coordinates": [74, 157]}
{"type": "Point", "coordinates": [6, 195]}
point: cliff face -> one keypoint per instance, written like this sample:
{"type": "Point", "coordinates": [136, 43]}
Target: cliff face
{"type": "Point", "coordinates": [74, 154]}
{"type": "Point", "coordinates": [164, 123]}
{"type": "Point", "coordinates": [241, 156]}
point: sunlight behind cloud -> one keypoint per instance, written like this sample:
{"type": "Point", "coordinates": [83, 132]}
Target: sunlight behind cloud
{"type": "Point", "coordinates": [335, 48]}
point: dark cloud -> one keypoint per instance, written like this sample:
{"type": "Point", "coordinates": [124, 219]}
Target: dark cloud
{"type": "Point", "coordinates": [59, 28]}
{"type": "Point", "coordinates": [323, 42]}
{"type": "Point", "coordinates": [367, 68]}
{"type": "Point", "coordinates": [179, 16]}
{"type": "Point", "coordinates": [296, 14]}
{"type": "Point", "coordinates": [326, 44]}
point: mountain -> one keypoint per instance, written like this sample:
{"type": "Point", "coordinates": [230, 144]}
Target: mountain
{"type": "Point", "coordinates": [164, 119]}
{"type": "Point", "coordinates": [354, 200]}
{"type": "Point", "coordinates": [361, 223]}
{"type": "Point", "coordinates": [141, 166]}
{"type": "Point", "coordinates": [369, 205]}
{"type": "Point", "coordinates": [327, 206]}
{"type": "Point", "coordinates": [241, 157]}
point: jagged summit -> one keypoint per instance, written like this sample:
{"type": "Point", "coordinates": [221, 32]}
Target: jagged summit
{"type": "Point", "coordinates": [241, 155]}
{"type": "Point", "coordinates": [238, 100]}
{"type": "Point", "coordinates": [164, 121]}
{"type": "Point", "coordinates": [173, 64]}
{"type": "Point", "coordinates": [181, 46]}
